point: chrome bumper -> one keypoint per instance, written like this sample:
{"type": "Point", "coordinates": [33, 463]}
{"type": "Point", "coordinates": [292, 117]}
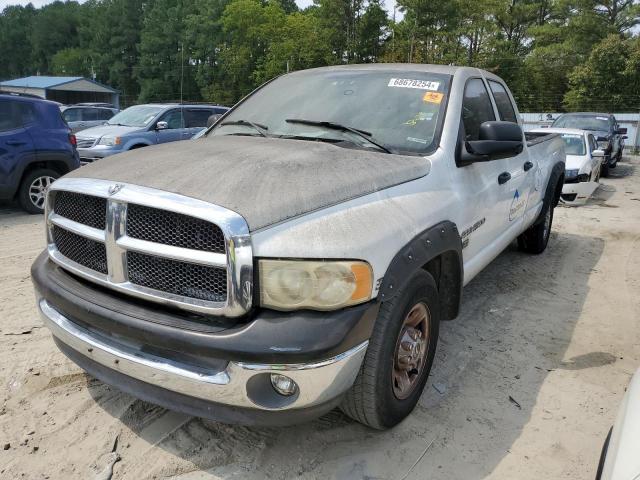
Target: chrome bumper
{"type": "Point", "coordinates": [239, 384]}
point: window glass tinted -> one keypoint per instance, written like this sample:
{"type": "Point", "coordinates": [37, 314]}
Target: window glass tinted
{"type": "Point", "coordinates": [89, 114]}
{"type": "Point", "coordinates": [476, 108]}
{"type": "Point", "coordinates": [10, 115]}
{"type": "Point", "coordinates": [72, 115]}
{"type": "Point", "coordinates": [402, 110]}
{"type": "Point", "coordinates": [197, 117]}
{"type": "Point", "coordinates": [582, 122]}
{"type": "Point", "coordinates": [105, 114]}
{"type": "Point", "coordinates": [173, 119]}
{"type": "Point", "coordinates": [592, 143]}
{"type": "Point", "coordinates": [503, 102]}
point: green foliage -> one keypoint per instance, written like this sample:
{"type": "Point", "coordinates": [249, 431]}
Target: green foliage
{"type": "Point", "coordinates": [554, 54]}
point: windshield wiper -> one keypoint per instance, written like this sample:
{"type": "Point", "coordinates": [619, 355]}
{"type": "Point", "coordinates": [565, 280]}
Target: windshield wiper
{"type": "Point", "coordinates": [261, 129]}
{"type": "Point", "coordinates": [343, 128]}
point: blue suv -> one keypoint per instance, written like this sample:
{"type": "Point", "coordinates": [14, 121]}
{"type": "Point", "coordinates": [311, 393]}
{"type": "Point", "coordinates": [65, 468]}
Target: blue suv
{"type": "Point", "coordinates": [36, 147]}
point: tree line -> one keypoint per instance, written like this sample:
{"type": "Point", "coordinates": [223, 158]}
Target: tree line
{"type": "Point", "coordinates": [555, 54]}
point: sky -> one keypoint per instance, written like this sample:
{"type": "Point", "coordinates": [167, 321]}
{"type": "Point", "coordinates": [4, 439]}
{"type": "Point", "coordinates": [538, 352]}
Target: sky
{"type": "Point", "coordinates": [301, 3]}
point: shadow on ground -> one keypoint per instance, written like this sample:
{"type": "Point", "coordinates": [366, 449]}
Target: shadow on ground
{"type": "Point", "coordinates": [516, 322]}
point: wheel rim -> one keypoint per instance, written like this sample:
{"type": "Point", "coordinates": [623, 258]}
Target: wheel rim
{"type": "Point", "coordinates": [38, 190]}
{"type": "Point", "coordinates": [411, 351]}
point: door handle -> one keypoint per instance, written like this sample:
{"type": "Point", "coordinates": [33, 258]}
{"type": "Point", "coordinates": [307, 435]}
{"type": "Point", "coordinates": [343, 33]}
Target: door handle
{"type": "Point", "coordinates": [528, 166]}
{"type": "Point", "coordinates": [504, 177]}
{"type": "Point", "coordinates": [15, 142]}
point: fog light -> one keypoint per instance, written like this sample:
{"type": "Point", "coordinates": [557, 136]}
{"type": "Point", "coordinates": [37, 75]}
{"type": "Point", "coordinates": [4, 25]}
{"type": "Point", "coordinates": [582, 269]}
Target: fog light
{"type": "Point", "coordinates": [283, 385]}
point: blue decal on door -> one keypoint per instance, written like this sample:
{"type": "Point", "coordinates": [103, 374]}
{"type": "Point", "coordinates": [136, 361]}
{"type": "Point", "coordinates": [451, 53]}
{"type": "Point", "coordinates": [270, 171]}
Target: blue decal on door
{"type": "Point", "coordinates": [517, 206]}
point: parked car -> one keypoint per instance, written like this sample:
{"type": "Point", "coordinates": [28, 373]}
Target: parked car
{"type": "Point", "coordinates": [36, 147]}
{"type": "Point", "coordinates": [619, 459]}
{"type": "Point", "coordinates": [302, 254]}
{"type": "Point", "coordinates": [609, 135]}
{"type": "Point", "coordinates": [85, 115]}
{"type": "Point", "coordinates": [144, 125]}
{"type": "Point", "coordinates": [583, 164]}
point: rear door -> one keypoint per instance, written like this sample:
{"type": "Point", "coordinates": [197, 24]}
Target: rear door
{"type": "Point", "coordinates": [16, 146]}
{"type": "Point", "coordinates": [519, 170]}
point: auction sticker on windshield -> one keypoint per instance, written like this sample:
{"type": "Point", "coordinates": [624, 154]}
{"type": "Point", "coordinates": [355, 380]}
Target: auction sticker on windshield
{"type": "Point", "coordinates": [410, 83]}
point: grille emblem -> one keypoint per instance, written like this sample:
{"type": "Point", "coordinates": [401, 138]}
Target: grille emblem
{"type": "Point", "coordinates": [113, 189]}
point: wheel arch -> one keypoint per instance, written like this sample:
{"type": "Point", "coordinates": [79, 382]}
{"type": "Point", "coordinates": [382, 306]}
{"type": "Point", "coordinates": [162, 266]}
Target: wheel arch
{"type": "Point", "coordinates": [553, 190]}
{"type": "Point", "coordinates": [59, 166]}
{"type": "Point", "coordinates": [438, 250]}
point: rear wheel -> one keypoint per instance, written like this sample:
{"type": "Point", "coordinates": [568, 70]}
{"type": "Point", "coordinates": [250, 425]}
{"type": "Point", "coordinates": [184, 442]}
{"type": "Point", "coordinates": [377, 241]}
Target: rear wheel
{"type": "Point", "coordinates": [399, 357]}
{"type": "Point", "coordinates": [535, 238]}
{"type": "Point", "coordinates": [604, 170]}
{"type": "Point", "coordinates": [34, 187]}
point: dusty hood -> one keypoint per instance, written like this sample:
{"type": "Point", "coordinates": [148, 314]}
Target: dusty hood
{"type": "Point", "coordinates": [112, 130]}
{"type": "Point", "coordinates": [264, 180]}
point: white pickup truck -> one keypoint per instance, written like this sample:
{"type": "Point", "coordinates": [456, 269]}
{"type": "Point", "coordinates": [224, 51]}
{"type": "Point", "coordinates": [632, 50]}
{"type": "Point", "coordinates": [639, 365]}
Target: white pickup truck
{"type": "Point", "coordinates": [301, 255]}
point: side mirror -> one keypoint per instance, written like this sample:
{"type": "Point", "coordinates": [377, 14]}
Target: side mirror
{"type": "Point", "coordinates": [162, 125]}
{"type": "Point", "coordinates": [597, 153]}
{"type": "Point", "coordinates": [621, 131]}
{"type": "Point", "coordinates": [495, 140]}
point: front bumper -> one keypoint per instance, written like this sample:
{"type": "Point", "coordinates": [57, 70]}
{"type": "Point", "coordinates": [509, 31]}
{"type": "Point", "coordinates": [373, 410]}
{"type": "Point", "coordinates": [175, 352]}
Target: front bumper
{"type": "Point", "coordinates": [214, 372]}
{"type": "Point", "coordinates": [578, 193]}
{"type": "Point", "coordinates": [97, 152]}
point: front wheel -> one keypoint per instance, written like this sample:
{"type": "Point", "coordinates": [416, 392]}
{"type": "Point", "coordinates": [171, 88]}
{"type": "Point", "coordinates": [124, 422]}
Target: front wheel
{"type": "Point", "coordinates": [34, 187]}
{"type": "Point", "coordinates": [536, 237]}
{"type": "Point", "coordinates": [399, 356]}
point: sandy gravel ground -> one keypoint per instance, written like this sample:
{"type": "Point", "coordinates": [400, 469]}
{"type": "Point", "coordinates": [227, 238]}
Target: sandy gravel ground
{"type": "Point", "coordinates": [525, 385]}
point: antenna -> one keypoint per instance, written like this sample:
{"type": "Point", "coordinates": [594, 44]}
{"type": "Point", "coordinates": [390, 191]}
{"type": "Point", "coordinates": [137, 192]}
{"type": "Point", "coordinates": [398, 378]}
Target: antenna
{"type": "Point", "coordinates": [181, 70]}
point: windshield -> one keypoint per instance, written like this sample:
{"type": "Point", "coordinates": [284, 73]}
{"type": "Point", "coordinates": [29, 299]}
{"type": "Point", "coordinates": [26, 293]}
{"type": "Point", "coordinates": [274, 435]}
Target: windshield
{"type": "Point", "coordinates": [574, 144]}
{"type": "Point", "coordinates": [583, 122]}
{"type": "Point", "coordinates": [399, 111]}
{"type": "Point", "coordinates": [139, 116]}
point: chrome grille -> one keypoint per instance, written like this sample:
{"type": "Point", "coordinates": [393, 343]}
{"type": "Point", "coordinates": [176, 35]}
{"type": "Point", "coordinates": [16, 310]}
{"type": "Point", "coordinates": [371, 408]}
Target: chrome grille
{"type": "Point", "coordinates": [85, 142]}
{"type": "Point", "coordinates": [170, 228]}
{"type": "Point", "coordinates": [178, 278]}
{"type": "Point", "coordinates": [86, 252]}
{"type": "Point", "coordinates": [152, 244]}
{"type": "Point", "coordinates": [84, 209]}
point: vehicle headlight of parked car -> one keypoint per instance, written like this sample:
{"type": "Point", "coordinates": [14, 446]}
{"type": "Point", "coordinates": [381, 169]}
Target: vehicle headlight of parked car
{"type": "Point", "coordinates": [110, 141]}
{"type": "Point", "coordinates": [318, 285]}
{"type": "Point", "coordinates": [603, 145]}
{"type": "Point", "coordinates": [570, 174]}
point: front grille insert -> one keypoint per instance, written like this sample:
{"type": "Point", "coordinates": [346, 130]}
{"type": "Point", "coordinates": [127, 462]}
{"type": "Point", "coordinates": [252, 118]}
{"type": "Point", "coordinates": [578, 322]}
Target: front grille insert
{"type": "Point", "coordinates": [176, 277]}
{"type": "Point", "coordinates": [175, 229]}
{"type": "Point", "coordinates": [84, 209]}
{"type": "Point", "coordinates": [85, 142]}
{"type": "Point", "coordinates": [84, 251]}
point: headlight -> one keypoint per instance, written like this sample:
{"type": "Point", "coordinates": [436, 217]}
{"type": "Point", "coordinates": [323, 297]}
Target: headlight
{"type": "Point", "coordinates": [571, 173]}
{"type": "Point", "coordinates": [603, 145]}
{"type": "Point", "coordinates": [109, 141]}
{"type": "Point", "coordinates": [317, 285]}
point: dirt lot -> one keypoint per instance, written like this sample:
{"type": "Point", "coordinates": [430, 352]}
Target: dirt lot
{"type": "Point", "coordinates": [525, 385]}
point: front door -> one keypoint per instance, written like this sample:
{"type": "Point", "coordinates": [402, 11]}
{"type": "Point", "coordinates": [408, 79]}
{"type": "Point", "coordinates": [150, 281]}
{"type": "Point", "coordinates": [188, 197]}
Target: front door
{"type": "Point", "coordinates": [16, 145]}
{"type": "Point", "coordinates": [175, 126]}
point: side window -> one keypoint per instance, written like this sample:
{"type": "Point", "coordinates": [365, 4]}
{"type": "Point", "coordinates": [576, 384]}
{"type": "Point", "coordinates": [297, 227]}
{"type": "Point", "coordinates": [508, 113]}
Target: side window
{"type": "Point", "coordinates": [105, 114]}
{"type": "Point", "coordinates": [220, 111]}
{"type": "Point", "coordinates": [592, 143]}
{"type": "Point", "coordinates": [71, 115]}
{"type": "Point", "coordinates": [503, 102]}
{"type": "Point", "coordinates": [27, 112]}
{"type": "Point", "coordinates": [197, 117]}
{"type": "Point", "coordinates": [89, 114]}
{"type": "Point", "coordinates": [476, 108]}
{"type": "Point", "coordinates": [173, 119]}
{"type": "Point", "coordinates": [10, 115]}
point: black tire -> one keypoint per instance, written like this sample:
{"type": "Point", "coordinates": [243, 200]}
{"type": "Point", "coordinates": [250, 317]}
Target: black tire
{"type": "Point", "coordinates": [604, 170]}
{"type": "Point", "coordinates": [30, 200]}
{"type": "Point", "coordinates": [603, 455]}
{"type": "Point", "coordinates": [372, 399]}
{"type": "Point", "coordinates": [536, 237]}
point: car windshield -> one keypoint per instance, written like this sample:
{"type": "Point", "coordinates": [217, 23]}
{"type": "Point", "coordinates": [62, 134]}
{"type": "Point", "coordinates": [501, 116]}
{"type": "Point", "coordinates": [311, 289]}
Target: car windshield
{"type": "Point", "coordinates": [574, 144]}
{"type": "Point", "coordinates": [138, 116]}
{"type": "Point", "coordinates": [583, 122]}
{"type": "Point", "coordinates": [401, 112]}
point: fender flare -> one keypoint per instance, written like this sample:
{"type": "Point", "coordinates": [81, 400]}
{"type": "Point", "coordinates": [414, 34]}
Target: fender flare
{"type": "Point", "coordinates": [442, 242]}
{"type": "Point", "coordinates": [553, 190]}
